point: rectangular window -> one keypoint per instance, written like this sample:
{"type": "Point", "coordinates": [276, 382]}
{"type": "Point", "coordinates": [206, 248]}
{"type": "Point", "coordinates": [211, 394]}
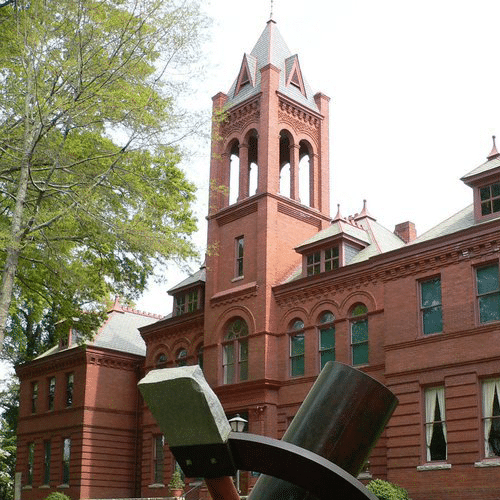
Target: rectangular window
{"type": "Point", "coordinates": [46, 462]}
{"type": "Point", "coordinates": [488, 293]}
{"type": "Point", "coordinates": [52, 393]}
{"type": "Point", "coordinates": [31, 463]}
{"type": "Point", "coordinates": [359, 342]}
{"type": "Point", "coordinates": [313, 263]}
{"type": "Point", "coordinates": [243, 359]}
{"type": "Point", "coordinates": [228, 363]}
{"type": "Point", "coordinates": [66, 459]}
{"type": "Point", "coordinates": [490, 199]}
{"type": "Point", "coordinates": [192, 300]}
{"type": "Point", "coordinates": [34, 396]}
{"type": "Point", "coordinates": [435, 424]}
{"type": "Point", "coordinates": [158, 459]}
{"type": "Point", "coordinates": [297, 354]}
{"type": "Point", "coordinates": [430, 306]}
{"type": "Point", "coordinates": [332, 258]}
{"type": "Point", "coordinates": [180, 304]}
{"type": "Point", "coordinates": [240, 243]}
{"type": "Point", "coordinates": [69, 389]}
{"type": "Point", "coordinates": [491, 417]}
{"type": "Point", "coordinates": [327, 345]}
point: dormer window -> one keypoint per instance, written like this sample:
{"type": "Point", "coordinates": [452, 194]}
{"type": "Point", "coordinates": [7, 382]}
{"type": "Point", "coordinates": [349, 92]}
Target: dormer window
{"type": "Point", "coordinates": [323, 260]}
{"type": "Point", "coordinates": [490, 198]}
{"type": "Point", "coordinates": [186, 302]}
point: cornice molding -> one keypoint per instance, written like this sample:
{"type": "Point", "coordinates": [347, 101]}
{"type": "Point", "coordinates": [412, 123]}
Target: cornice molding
{"type": "Point", "coordinates": [233, 295]}
{"type": "Point", "coordinates": [61, 361]}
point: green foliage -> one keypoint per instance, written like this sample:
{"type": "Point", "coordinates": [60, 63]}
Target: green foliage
{"type": "Point", "coordinates": [176, 482]}
{"type": "Point", "coordinates": [9, 398]}
{"type": "Point", "coordinates": [57, 495]}
{"type": "Point", "coordinates": [92, 197]}
{"type": "Point", "coordinates": [384, 490]}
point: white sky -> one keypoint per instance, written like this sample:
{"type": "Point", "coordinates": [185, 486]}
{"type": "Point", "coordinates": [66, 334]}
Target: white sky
{"type": "Point", "coordinates": [414, 90]}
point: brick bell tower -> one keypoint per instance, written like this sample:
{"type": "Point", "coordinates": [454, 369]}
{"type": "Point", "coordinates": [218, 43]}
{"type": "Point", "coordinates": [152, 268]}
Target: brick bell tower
{"type": "Point", "coordinates": [269, 191]}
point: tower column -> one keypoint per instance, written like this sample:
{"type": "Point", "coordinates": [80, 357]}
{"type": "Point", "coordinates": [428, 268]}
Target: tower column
{"type": "Point", "coordinates": [314, 175]}
{"type": "Point", "coordinates": [244, 173]}
{"type": "Point", "coordinates": [294, 172]}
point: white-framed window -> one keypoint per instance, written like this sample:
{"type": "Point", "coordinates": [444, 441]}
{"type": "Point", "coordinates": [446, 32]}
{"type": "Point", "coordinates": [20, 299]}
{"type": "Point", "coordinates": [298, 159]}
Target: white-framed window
{"type": "Point", "coordinates": [66, 460]}
{"type": "Point", "coordinates": [235, 352]}
{"type": "Point", "coordinates": [326, 338]}
{"type": "Point", "coordinates": [488, 293]}
{"type": "Point", "coordinates": [435, 424]}
{"type": "Point", "coordinates": [239, 250]}
{"type": "Point", "coordinates": [491, 417]}
{"type": "Point", "coordinates": [359, 335]}
{"type": "Point", "coordinates": [158, 458]}
{"type": "Point", "coordinates": [430, 306]}
{"type": "Point", "coordinates": [297, 348]}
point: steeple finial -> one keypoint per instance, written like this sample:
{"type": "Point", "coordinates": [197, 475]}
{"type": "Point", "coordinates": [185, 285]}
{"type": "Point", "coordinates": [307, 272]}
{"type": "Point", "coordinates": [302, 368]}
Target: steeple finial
{"type": "Point", "coordinates": [493, 153]}
{"type": "Point", "coordinates": [272, 5]}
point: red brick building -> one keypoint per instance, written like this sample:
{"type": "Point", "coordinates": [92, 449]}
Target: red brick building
{"type": "Point", "coordinates": [286, 288]}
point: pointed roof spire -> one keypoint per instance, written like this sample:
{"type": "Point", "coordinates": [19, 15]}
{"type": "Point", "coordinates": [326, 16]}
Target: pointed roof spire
{"type": "Point", "coordinates": [338, 216]}
{"type": "Point", "coordinates": [271, 14]}
{"type": "Point", "coordinates": [493, 153]}
{"type": "Point", "coordinates": [364, 213]}
{"type": "Point", "coordinates": [271, 49]}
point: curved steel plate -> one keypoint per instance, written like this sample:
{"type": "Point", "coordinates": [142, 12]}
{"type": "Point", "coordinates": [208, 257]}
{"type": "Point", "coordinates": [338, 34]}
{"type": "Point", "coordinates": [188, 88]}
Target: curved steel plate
{"type": "Point", "coordinates": [296, 465]}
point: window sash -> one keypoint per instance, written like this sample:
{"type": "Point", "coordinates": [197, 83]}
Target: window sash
{"type": "Point", "coordinates": [192, 301]}
{"type": "Point", "coordinates": [158, 459]}
{"type": "Point", "coordinates": [46, 462]}
{"type": "Point", "coordinates": [240, 246]}
{"type": "Point", "coordinates": [34, 397]}
{"type": "Point", "coordinates": [332, 258]}
{"type": "Point", "coordinates": [359, 342]}
{"type": "Point", "coordinates": [66, 460]}
{"type": "Point", "coordinates": [491, 418]}
{"type": "Point", "coordinates": [31, 463]}
{"type": "Point", "coordinates": [69, 389]}
{"type": "Point", "coordinates": [435, 400]}
{"type": "Point", "coordinates": [488, 291]}
{"type": "Point", "coordinates": [297, 351]}
{"type": "Point", "coordinates": [52, 393]}
{"type": "Point", "coordinates": [326, 345]}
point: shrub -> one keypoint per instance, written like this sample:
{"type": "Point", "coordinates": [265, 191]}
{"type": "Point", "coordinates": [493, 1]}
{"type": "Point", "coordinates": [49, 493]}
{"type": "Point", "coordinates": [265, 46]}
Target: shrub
{"type": "Point", "coordinates": [58, 496]}
{"type": "Point", "coordinates": [384, 490]}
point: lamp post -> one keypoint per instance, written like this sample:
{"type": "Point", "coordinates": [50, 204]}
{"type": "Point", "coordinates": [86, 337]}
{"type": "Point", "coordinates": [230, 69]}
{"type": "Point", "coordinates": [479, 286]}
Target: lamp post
{"type": "Point", "coordinates": [237, 424]}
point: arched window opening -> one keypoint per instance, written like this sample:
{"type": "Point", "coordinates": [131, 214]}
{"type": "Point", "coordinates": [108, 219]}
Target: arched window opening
{"type": "Point", "coordinates": [305, 175]}
{"type": "Point", "coordinates": [234, 173]}
{"type": "Point", "coordinates": [285, 171]}
{"type": "Point", "coordinates": [297, 351]}
{"type": "Point", "coordinates": [253, 169]}
{"type": "Point", "coordinates": [326, 338]}
{"type": "Point", "coordinates": [181, 358]}
{"type": "Point", "coordinates": [161, 360]}
{"type": "Point", "coordinates": [235, 352]}
{"type": "Point", "coordinates": [359, 335]}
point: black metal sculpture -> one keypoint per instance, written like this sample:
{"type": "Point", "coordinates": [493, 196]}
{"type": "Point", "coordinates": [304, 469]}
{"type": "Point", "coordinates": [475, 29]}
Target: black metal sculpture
{"type": "Point", "coordinates": [325, 446]}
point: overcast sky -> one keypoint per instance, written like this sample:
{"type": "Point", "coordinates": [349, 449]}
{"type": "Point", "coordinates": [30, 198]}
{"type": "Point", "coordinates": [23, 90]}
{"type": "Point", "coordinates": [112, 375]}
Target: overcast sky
{"type": "Point", "coordinates": [414, 90]}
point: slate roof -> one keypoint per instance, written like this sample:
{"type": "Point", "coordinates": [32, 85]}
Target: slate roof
{"type": "Point", "coordinates": [271, 48]}
{"type": "Point", "coordinates": [488, 165]}
{"type": "Point", "coordinates": [120, 332]}
{"type": "Point", "coordinates": [197, 277]}
{"type": "Point", "coordinates": [364, 228]}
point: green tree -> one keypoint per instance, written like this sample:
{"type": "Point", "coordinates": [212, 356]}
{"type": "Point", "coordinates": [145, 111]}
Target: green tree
{"type": "Point", "coordinates": [9, 398]}
{"type": "Point", "coordinates": [91, 194]}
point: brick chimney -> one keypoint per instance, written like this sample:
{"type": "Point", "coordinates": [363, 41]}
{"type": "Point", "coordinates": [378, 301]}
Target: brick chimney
{"type": "Point", "coordinates": [406, 231]}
